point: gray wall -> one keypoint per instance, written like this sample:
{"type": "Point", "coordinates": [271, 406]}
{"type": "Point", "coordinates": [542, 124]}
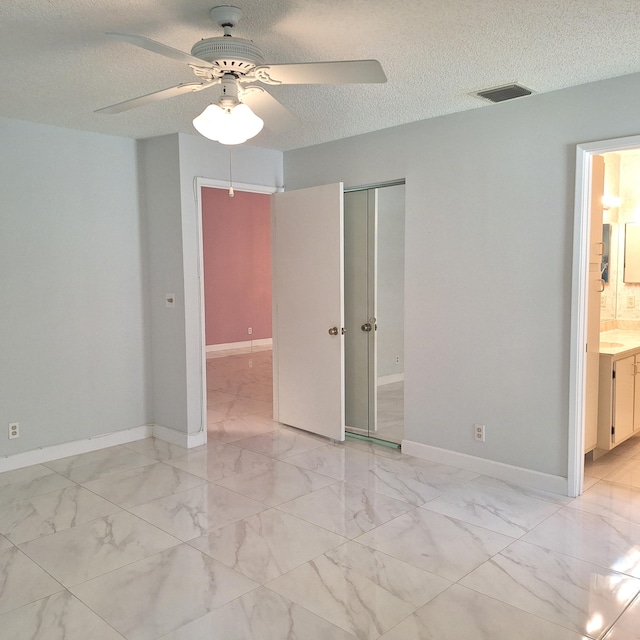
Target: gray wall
{"type": "Point", "coordinates": [94, 230]}
{"type": "Point", "coordinates": [160, 200]}
{"type": "Point", "coordinates": [489, 217]}
{"type": "Point", "coordinates": [72, 313]}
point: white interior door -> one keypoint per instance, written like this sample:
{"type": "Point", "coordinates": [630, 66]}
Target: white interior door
{"type": "Point", "coordinates": [308, 309]}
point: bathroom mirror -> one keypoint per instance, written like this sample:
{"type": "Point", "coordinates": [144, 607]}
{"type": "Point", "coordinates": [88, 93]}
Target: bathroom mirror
{"type": "Point", "coordinates": [631, 253]}
{"type": "Point", "coordinates": [606, 252]}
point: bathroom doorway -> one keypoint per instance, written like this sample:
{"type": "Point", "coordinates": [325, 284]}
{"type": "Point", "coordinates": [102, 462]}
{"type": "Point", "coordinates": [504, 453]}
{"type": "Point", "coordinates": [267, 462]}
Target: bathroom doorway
{"type": "Point", "coordinates": [588, 230]}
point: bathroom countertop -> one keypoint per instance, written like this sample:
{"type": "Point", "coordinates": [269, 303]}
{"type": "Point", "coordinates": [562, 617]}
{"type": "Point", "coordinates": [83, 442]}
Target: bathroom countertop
{"type": "Point", "coordinates": [617, 341]}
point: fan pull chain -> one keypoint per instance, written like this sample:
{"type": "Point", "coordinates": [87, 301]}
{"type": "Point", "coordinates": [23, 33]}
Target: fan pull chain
{"type": "Point", "coordinates": [230, 177]}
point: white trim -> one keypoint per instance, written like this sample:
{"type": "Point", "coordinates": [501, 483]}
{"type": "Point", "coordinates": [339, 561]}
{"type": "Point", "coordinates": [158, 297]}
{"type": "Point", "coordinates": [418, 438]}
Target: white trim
{"type": "Point", "coordinates": [247, 344]}
{"type": "Point", "coordinates": [94, 443]}
{"type": "Point", "coordinates": [579, 290]}
{"type": "Point", "coordinates": [390, 379]}
{"type": "Point", "coordinates": [200, 183]}
{"type": "Point", "coordinates": [201, 309]}
{"type": "Point", "coordinates": [517, 475]}
{"type": "Point", "coordinates": [66, 449]}
{"type": "Point", "coordinates": [182, 439]}
{"type": "Point", "coordinates": [237, 186]}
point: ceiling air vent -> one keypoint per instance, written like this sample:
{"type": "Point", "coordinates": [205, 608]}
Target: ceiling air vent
{"type": "Point", "coordinates": [506, 92]}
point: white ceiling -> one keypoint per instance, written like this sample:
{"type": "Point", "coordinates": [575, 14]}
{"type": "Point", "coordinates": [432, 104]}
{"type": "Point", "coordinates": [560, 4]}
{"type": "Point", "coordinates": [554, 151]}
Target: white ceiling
{"type": "Point", "coordinates": [57, 66]}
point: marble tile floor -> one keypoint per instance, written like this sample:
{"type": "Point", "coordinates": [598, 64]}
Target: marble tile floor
{"type": "Point", "coordinates": [268, 533]}
{"type": "Point", "coordinates": [239, 383]}
{"type": "Point", "coordinates": [311, 540]}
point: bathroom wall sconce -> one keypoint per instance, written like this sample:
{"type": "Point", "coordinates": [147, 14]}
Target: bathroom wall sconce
{"type": "Point", "coordinates": [611, 202]}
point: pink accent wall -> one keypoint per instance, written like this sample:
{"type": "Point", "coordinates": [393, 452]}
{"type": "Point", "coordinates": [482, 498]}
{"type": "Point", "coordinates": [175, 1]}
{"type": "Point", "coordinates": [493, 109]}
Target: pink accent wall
{"type": "Point", "coordinates": [236, 236]}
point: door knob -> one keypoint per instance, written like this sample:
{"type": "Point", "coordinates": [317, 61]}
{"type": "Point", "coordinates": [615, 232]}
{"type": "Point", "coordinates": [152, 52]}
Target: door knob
{"type": "Point", "coordinates": [333, 331]}
{"type": "Point", "coordinates": [366, 326]}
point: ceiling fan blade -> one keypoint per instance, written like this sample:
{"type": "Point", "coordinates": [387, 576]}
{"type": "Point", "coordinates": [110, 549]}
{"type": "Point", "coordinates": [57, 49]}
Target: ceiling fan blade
{"type": "Point", "coordinates": [162, 49]}
{"type": "Point", "coordinates": [349, 71]}
{"type": "Point", "coordinates": [156, 96]}
{"type": "Point", "coordinates": [276, 117]}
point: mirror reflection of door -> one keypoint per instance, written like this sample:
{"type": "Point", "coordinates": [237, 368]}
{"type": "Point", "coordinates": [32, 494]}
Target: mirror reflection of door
{"type": "Point", "coordinates": [374, 311]}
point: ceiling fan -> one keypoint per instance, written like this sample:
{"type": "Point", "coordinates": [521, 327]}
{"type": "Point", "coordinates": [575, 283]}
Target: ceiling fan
{"type": "Point", "coordinates": [237, 65]}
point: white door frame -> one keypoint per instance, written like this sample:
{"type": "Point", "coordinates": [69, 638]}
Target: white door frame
{"type": "Point", "coordinates": [199, 183]}
{"type": "Point", "coordinates": [579, 293]}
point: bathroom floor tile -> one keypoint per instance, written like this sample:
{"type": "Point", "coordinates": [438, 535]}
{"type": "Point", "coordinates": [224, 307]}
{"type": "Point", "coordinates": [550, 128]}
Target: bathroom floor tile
{"type": "Point", "coordinates": [447, 547]}
{"type": "Point", "coordinates": [23, 581]}
{"type": "Point", "coordinates": [275, 482]}
{"type": "Point", "coordinates": [260, 615]}
{"type": "Point", "coordinates": [195, 512]}
{"type": "Point", "coordinates": [602, 466]}
{"type": "Point", "coordinates": [347, 509]}
{"type": "Point", "coordinates": [57, 617]}
{"type": "Point", "coordinates": [461, 614]}
{"type": "Point", "coordinates": [629, 448]}
{"type": "Point", "coordinates": [335, 462]}
{"type": "Point", "coordinates": [89, 550]}
{"type": "Point", "coordinates": [627, 473]}
{"type": "Point", "coordinates": [266, 545]}
{"type": "Point", "coordinates": [563, 590]}
{"type": "Point", "coordinates": [610, 543]}
{"type": "Point", "coordinates": [281, 443]}
{"type": "Point", "coordinates": [611, 501]}
{"type": "Point", "coordinates": [48, 513]}
{"type": "Point", "coordinates": [144, 484]}
{"type": "Point", "coordinates": [154, 596]}
{"type": "Point", "coordinates": [219, 461]}
{"type": "Point", "coordinates": [360, 590]}
{"type": "Point", "coordinates": [495, 506]}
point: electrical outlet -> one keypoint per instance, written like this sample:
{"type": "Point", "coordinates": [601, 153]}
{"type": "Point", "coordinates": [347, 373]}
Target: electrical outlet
{"type": "Point", "coordinates": [631, 302]}
{"type": "Point", "coordinates": [603, 301]}
{"type": "Point", "coordinates": [397, 359]}
{"type": "Point", "coordinates": [250, 330]}
{"type": "Point", "coordinates": [14, 430]}
{"type": "Point", "coordinates": [478, 430]}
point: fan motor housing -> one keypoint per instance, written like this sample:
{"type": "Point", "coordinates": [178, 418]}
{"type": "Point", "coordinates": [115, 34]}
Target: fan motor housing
{"type": "Point", "coordinates": [229, 54]}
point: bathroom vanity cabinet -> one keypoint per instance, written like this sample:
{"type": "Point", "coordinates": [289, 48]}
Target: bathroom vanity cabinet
{"type": "Point", "coordinates": [618, 398]}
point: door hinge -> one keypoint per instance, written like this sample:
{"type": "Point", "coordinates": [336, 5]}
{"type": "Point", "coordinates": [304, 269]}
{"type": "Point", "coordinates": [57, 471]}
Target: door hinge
{"type": "Point", "coordinates": [613, 374]}
{"type": "Point", "coordinates": [613, 433]}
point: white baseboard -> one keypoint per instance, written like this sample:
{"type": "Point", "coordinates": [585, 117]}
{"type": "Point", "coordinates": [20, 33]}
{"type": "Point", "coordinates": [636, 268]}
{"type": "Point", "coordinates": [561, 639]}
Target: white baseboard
{"type": "Point", "coordinates": [182, 439]}
{"type": "Point", "coordinates": [510, 473]}
{"type": "Point", "coordinates": [66, 449]}
{"type": "Point", "coordinates": [390, 379]}
{"type": "Point", "coordinates": [248, 344]}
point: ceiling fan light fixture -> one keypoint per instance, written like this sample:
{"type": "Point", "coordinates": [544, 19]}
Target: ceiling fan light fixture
{"type": "Point", "coordinates": [228, 125]}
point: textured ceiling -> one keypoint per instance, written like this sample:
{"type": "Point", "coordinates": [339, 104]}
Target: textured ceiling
{"type": "Point", "coordinates": [57, 66]}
